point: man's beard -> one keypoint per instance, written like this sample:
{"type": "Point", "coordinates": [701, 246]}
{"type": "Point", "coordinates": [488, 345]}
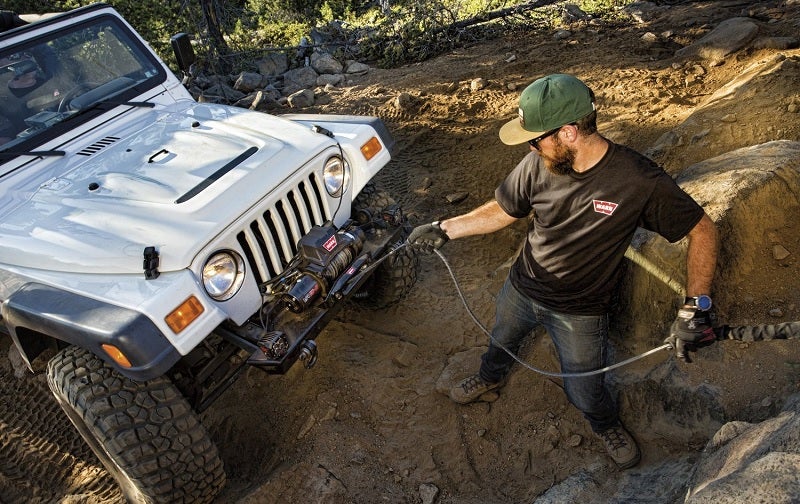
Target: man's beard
{"type": "Point", "coordinates": [562, 161]}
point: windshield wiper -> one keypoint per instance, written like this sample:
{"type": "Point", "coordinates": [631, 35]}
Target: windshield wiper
{"type": "Point", "coordinates": [144, 104]}
{"type": "Point", "coordinates": [43, 153]}
{"type": "Point", "coordinates": [102, 104]}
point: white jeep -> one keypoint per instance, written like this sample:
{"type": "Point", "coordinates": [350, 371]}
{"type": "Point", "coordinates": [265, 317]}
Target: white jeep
{"type": "Point", "coordinates": [151, 247]}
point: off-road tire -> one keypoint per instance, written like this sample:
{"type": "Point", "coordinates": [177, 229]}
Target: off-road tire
{"type": "Point", "coordinates": [396, 275]}
{"type": "Point", "coordinates": [371, 198]}
{"type": "Point", "coordinates": [144, 433]}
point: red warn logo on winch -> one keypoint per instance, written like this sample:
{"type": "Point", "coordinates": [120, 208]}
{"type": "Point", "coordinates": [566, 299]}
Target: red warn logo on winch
{"type": "Point", "coordinates": [604, 207]}
{"type": "Point", "coordinates": [330, 243]}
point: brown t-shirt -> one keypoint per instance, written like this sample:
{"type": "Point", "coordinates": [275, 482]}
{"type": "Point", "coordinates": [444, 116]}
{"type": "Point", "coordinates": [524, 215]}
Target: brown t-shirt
{"type": "Point", "coordinates": [583, 223]}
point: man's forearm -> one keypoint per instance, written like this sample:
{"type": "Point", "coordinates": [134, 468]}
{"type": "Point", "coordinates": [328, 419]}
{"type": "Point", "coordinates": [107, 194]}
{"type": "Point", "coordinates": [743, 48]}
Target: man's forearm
{"type": "Point", "coordinates": [701, 257]}
{"type": "Point", "coordinates": [487, 218]}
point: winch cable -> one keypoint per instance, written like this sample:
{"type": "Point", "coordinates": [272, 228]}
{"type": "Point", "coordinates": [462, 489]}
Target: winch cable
{"type": "Point", "coordinates": [740, 333]}
{"type": "Point", "coordinates": [526, 364]}
{"type": "Point", "coordinates": [523, 363]}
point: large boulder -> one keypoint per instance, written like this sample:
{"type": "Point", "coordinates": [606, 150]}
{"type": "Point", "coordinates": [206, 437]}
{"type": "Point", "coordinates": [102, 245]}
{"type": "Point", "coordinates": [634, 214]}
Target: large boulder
{"type": "Point", "coordinates": [728, 37]}
{"type": "Point", "coordinates": [747, 462]}
{"type": "Point", "coordinates": [730, 187]}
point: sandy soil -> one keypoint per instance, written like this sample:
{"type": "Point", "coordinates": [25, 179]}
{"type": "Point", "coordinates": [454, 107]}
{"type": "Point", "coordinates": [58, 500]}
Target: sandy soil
{"type": "Point", "coordinates": [369, 423]}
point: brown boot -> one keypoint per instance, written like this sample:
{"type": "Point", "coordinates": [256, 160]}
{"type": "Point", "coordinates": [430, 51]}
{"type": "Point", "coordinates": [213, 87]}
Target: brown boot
{"type": "Point", "coordinates": [621, 446]}
{"type": "Point", "coordinates": [471, 388]}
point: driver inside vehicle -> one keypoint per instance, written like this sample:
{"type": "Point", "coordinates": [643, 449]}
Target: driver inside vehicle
{"type": "Point", "coordinates": [30, 87]}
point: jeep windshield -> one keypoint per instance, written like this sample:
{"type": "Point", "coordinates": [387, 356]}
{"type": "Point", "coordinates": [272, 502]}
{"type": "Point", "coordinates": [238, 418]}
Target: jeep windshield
{"type": "Point", "coordinates": [54, 83]}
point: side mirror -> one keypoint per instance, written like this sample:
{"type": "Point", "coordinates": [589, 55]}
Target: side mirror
{"type": "Point", "coordinates": [184, 52]}
{"type": "Point", "coordinates": [9, 20]}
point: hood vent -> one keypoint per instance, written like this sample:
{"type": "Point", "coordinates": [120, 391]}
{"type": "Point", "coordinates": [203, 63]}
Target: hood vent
{"type": "Point", "coordinates": [98, 146]}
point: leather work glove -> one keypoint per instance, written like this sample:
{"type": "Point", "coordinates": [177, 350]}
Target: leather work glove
{"type": "Point", "coordinates": [427, 237]}
{"type": "Point", "coordinates": [691, 330]}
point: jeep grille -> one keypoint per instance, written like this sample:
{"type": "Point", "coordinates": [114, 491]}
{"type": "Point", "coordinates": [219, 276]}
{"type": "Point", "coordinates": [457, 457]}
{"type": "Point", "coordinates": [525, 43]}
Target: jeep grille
{"type": "Point", "coordinates": [270, 240]}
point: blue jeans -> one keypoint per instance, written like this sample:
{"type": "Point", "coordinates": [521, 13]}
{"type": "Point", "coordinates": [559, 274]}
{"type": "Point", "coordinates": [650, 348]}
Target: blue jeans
{"type": "Point", "coordinates": [580, 340]}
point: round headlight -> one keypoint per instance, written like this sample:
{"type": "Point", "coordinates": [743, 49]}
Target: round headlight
{"type": "Point", "coordinates": [336, 176]}
{"type": "Point", "coordinates": [223, 275]}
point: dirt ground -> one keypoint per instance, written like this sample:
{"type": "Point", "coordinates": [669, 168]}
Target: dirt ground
{"type": "Point", "coordinates": [369, 424]}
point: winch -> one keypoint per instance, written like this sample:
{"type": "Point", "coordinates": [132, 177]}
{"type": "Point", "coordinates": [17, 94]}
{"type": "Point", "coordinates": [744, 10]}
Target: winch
{"type": "Point", "coordinates": [325, 254]}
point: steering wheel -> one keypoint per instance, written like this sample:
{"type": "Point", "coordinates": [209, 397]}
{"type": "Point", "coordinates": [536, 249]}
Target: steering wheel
{"type": "Point", "coordinates": [77, 90]}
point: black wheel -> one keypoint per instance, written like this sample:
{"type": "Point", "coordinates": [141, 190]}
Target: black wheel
{"type": "Point", "coordinates": [391, 280]}
{"type": "Point", "coordinates": [370, 201]}
{"type": "Point", "coordinates": [144, 433]}
{"type": "Point", "coordinates": [396, 275]}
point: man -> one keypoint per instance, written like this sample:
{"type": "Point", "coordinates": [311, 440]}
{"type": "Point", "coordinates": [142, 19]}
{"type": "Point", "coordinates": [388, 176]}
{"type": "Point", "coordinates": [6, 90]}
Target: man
{"type": "Point", "coordinates": [24, 75]}
{"type": "Point", "coordinates": [586, 196]}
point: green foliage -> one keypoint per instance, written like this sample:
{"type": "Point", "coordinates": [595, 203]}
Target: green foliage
{"type": "Point", "coordinates": [155, 20]}
{"type": "Point", "coordinates": [605, 8]}
{"type": "Point", "coordinates": [409, 30]}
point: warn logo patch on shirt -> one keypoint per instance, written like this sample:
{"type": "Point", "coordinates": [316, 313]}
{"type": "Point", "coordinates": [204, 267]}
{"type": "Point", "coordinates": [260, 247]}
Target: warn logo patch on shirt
{"type": "Point", "coordinates": [604, 207]}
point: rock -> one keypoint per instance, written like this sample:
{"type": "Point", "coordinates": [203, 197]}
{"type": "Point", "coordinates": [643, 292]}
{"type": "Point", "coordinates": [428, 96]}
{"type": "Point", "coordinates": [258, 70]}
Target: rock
{"type": "Point", "coordinates": [754, 462]}
{"type": "Point", "coordinates": [650, 37]}
{"type": "Point", "coordinates": [299, 78]}
{"type": "Point", "coordinates": [325, 63]}
{"type": "Point", "coordinates": [455, 198]}
{"type": "Point", "coordinates": [330, 80]}
{"type": "Point", "coordinates": [301, 99]}
{"type": "Point", "coordinates": [247, 82]}
{"type": "Point", "coordinates": [273, 64]}
{"type": "Point", "coordinates": [571, 13]}
{"type": "Point", "coordinates": [403, 101]}
{"type": "Point", "coordinates": [779, 252]}
{"type": "Point", "coordinates": [577, 487]}
{"type": "Point", "coordinates": [720, 184]}
{"type": "Point", "coordinates": [265, 99]}
{"type": "Point", "coordinates": [221, 93]}
{"type": "Point", "coordinates": [404, 357]}
{"type": "Point", "coordinates": [477, 84]}
{"type": "Point", "coordinates": [17, 363]}
{"type": "Point", "coordinates": [776, 312]}
{"type": "Point", "coordinates": [643, 12]}
{"type": "Point", "coordinates": [562, 34]}
{"type": "Point", "coordinates": [728, 37]}
{"type": "Point", "coordinates": [356, 67]}
{"type": "Point", "coordinates": [310, 422]}
{"type": "Point", "coordinates": [428, 493]}
{"type": "Point", "coordinates": [776, 43]}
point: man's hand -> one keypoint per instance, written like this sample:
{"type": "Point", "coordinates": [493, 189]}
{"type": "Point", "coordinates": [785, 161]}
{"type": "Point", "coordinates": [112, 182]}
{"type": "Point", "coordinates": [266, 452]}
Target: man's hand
{"type": "Point", "coordinates": [427, 237]}
{"type": "Point", "coordinates": [692, 329]}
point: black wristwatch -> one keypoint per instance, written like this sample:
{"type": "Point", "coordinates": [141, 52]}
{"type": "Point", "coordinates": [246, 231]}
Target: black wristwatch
{"type": "Point", "coordinates": [701, 302]}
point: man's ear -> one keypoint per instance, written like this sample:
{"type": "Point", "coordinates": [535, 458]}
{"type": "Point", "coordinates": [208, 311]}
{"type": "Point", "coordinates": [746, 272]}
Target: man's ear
{"type": "Point", "coordinates": [572, 132]}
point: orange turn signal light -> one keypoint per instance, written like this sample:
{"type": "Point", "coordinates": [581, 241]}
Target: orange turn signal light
{"type": "Point", "coordinates": [116, 355]}
{"type": "Point", "coordinates": [180, 318]}
{"type": "Point", "coordinates": [371, 148]}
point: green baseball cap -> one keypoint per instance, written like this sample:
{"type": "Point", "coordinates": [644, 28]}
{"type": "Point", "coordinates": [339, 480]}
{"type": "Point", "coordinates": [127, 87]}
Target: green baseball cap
{"type": "Point", "coordinates": [549, 103]}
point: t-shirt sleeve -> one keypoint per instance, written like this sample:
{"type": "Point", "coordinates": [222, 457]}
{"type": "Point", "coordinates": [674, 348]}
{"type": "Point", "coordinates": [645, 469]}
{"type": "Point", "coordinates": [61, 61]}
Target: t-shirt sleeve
{"type": "Point", "coordinates": [670, 212]}
{"type": "Point", "coordinates": [513, 193]}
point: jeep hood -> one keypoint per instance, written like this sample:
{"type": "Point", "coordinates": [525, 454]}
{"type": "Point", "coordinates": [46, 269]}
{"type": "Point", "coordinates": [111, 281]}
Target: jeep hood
{"type": "Point", "coordinates": [174, 182]}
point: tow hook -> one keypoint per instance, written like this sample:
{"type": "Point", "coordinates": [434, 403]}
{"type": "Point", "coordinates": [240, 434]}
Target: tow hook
{"type": "Point", "coordinates": [308, 354]}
